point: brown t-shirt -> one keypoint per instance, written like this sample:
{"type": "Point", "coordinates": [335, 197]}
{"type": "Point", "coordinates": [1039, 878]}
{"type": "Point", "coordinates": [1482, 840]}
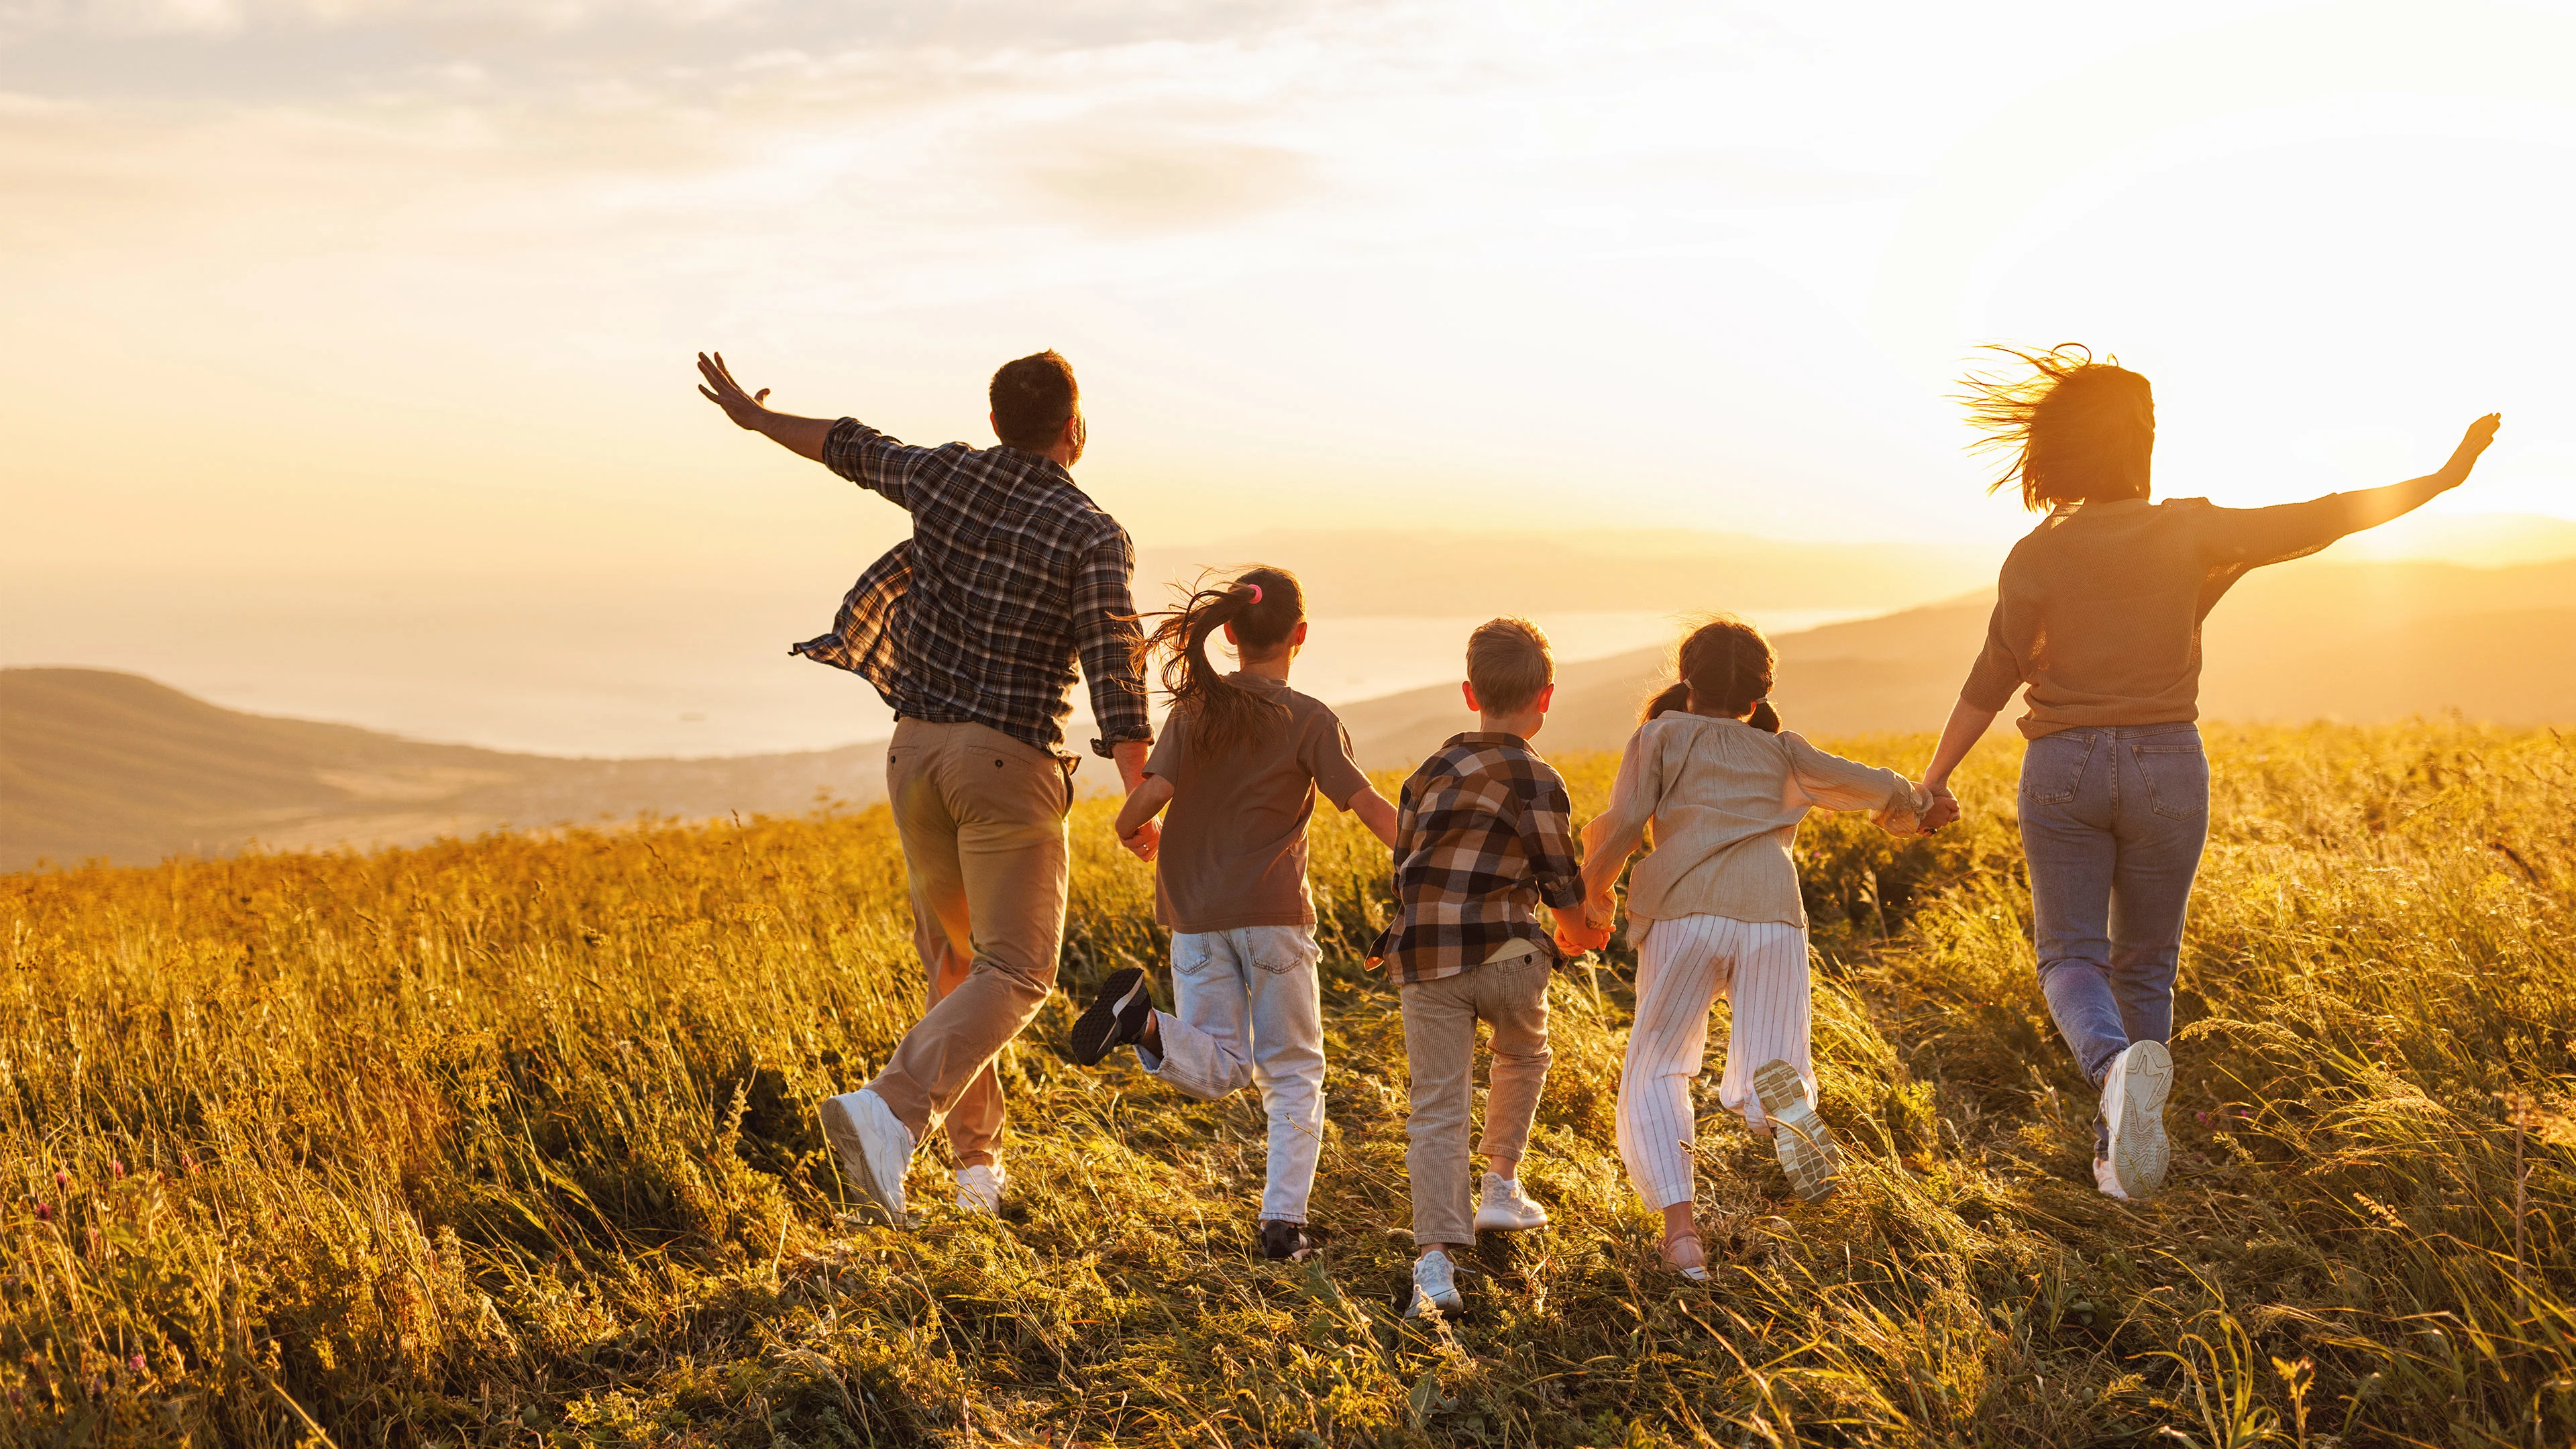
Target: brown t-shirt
{"type": "Point", "coordinates": [1234, 840]}
{"type": "Point", "coordinates": [2099, 608]}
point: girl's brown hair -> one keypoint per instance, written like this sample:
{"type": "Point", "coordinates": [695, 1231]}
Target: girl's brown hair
{"type": "Point", "coordinates": [2078, 430]}
{"type": "Point", "coordinates": [1265, 605]}
{"type": "Point", "coordinates": [1726, 665]}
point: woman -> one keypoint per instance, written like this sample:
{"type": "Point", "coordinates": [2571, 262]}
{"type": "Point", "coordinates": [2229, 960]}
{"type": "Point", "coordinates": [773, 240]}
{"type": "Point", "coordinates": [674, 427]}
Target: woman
{"type": "Point", "coordinates": [2098, 611]}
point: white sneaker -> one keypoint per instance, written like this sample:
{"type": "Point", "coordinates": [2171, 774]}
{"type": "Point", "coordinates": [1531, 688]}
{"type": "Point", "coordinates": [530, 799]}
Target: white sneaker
{"type": "Point", "coordinates": [979, 1188]}
{"type": "Point", "coordinates": [1798, 1136]}
{"type": "Point", "coordinates": [2107, 1180]}
{"type": "Point", "coordinates": [2133, 1102]}
{"type": "Point", "coordinates": [1505, 1210]}
{"type": "Point", "coordinates": [873, 1147]}
{"type": "Point", "coordinates": [1435, 1286]}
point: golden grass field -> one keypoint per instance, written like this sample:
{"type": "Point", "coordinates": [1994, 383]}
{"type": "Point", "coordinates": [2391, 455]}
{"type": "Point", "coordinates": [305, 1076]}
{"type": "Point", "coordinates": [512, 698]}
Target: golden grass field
{"type": "Point", "coordinates": [512, 1141]}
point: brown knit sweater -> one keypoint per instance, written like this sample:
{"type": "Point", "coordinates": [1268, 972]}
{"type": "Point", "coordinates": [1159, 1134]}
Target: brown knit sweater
{"type": "Point", "coordinates": [2098, 610]}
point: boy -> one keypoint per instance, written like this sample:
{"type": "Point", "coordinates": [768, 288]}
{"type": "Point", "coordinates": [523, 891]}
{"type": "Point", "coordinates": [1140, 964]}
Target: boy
{"type": "Point", "coordinates": [1482, 840]}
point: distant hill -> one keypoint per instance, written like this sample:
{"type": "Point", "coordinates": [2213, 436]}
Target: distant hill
{"type": "Point", "coordinates": [100, 764]}
{"type": "Point", "coordinates": [2308, 640]}
{"type": "Point", "coordinates": [1453, 572]}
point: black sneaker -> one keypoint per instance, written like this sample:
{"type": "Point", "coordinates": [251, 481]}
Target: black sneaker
{"type": "Point", "coordinates": [1117, 1016]}
{"type": "Point", "coordinates": [1285, 1240]}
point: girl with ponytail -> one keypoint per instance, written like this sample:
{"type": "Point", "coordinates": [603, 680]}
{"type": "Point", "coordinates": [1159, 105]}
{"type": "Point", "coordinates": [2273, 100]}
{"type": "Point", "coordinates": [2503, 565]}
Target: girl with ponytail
{"type": "Point", "coordinates": [1240, 762]}
{"type": "Point", "coordinates": [1714, 909]}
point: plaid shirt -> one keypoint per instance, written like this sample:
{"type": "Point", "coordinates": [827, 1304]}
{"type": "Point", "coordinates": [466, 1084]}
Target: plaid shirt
{"type": "Point", "coordinates": [1483, 834]}
{"type": "Point", "coordinates": [977, 618]}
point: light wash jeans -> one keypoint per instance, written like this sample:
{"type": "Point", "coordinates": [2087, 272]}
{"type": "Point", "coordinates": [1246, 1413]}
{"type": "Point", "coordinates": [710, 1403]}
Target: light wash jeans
{"type": "Point", "coordinates": [1252, 1012]}
{"type": "Point", "coordinates": [2112, 823]}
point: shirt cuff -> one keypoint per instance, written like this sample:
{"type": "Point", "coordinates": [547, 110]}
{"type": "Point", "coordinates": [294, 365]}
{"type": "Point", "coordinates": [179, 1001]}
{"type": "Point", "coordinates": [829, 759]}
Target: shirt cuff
{"type": "Point", "coordinates": [1106, 749]}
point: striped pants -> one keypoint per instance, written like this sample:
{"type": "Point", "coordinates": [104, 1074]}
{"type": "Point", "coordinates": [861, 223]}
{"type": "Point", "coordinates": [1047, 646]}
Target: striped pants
{"type": "Point", "coordinates": [1682, 966]}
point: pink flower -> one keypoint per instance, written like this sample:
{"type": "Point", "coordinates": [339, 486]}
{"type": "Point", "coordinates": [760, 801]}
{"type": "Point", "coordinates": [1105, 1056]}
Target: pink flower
{"type": "Point", "coordinates": [62, 1180]}
{"type": "Point", "coordinates": [116, 1167]}
{"type": "Point", "coordinates": [135, 1363]}
{"type": "Point", "coordinates": [44, 1212]}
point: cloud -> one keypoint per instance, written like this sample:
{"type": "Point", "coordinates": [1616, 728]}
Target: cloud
{"type": "Point", "coordinates": [1147, 183]}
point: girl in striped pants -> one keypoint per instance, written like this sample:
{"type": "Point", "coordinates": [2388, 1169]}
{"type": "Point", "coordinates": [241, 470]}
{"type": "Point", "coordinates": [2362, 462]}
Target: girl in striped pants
{"type": "Point", "coordinates": [1714, 908]}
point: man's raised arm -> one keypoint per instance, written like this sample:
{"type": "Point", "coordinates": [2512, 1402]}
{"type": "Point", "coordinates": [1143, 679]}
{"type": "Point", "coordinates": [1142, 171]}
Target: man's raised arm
{"type": "Point", "coordinates": [801, 436]}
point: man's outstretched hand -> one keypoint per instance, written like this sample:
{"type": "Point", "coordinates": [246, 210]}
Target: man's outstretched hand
{"type": "Point", "coordinates": [802, 436]}
{"type": "Point", "coordinates": [719, 388]}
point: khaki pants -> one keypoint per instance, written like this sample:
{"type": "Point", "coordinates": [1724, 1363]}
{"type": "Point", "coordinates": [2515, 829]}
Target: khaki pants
{"type": "Point", "coordinates": [1440, 1055]}
{"type": "Point", "coordinates": [982, 820]}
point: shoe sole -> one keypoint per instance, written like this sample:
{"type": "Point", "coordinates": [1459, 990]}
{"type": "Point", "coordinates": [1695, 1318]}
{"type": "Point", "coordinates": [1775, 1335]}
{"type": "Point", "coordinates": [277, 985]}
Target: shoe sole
{"type": "Point", "coordinates": [1798, 1136]}
{"type": "Point", "coordinates": [1091, 1034]}
{"type": "Point", "coordinates": [852, 1154]}
{"type": "Point", "coordinates": [1514, 1225]}
{"type": "Point", "coordinates": [2140, 1154]}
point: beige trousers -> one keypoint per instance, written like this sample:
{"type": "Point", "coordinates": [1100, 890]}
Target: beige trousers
{"type": "Point", "coordinates": [982, 820]}
{"type": "Point", "coordinates": [1440, 1055]}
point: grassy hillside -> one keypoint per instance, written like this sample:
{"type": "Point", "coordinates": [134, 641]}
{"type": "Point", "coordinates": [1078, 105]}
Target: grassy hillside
{"type": "Point", "coordinates": [96, 764]}
{"type": "Point", "coordinates": [513, 1142]}
{"type": "Point", "coordinates": [2360, 642]}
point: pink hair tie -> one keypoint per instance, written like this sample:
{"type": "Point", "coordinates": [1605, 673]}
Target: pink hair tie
{"type": "Point", "coordinates": [1256, 592]}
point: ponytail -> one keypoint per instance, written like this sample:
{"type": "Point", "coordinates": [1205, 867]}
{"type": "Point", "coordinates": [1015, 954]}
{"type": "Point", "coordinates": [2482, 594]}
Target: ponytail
{"type": "Point", "coordinates": [1725, 664]}
{"type": "Point", "coordinates": [1264, 605]}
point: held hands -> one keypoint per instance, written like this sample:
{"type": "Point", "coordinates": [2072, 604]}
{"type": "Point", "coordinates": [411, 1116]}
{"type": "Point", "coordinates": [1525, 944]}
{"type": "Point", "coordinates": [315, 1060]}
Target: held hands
{"type": "Point", "coordinates": [1146, 843]}
{"type": "Point", "coordinates": [2472, 443]}
{"type": "Point", "coordinates": [1945, 808]}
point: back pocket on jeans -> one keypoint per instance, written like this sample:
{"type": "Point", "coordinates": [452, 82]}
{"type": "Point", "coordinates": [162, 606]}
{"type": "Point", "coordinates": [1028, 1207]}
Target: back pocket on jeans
{"type": "Point", "coordinates": [2177, 779]}
{"type": "Point", "coordinates": [2052, 768]}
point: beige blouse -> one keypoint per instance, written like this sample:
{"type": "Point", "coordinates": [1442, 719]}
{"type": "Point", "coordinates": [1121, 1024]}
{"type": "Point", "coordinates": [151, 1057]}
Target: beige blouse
{"type": "Point", "coordinates": [1725, 800]}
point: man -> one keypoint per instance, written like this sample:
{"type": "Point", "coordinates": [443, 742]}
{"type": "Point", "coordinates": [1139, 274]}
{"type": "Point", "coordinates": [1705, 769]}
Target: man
{"type": "Point", "coordinates": [970, 630]}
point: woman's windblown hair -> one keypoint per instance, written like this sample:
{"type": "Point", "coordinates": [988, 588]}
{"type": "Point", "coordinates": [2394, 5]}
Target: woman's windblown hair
{"type": "Point", "coordinates": [2076, 429]}
{"type": "Point", "coordinates": [1265, 605]}
{"type": "Point", "coordinates": [1725, 664]}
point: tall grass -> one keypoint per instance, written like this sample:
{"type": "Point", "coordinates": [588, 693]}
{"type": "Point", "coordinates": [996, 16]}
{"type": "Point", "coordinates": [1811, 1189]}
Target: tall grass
{"type": "Point", "coordinates": [512, 1141]}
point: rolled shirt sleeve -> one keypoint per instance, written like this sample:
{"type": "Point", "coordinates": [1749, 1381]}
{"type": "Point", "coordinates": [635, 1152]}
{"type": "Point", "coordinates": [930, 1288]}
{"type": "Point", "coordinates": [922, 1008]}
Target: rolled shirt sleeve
{"type": "Point", "coordinates": [1547, 842]}
{"type": "Point", "coordinates": [873, 460]}
{"type": "Point", "coordinates": [1104, 631]}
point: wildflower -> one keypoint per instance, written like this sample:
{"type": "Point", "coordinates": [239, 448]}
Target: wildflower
{"type": "Point", "coordinates": [188, 1160]}
{"type": "Point", "coordinates": [44, 1212]}
{"type": "Point", "coordinates": [116, 1167]}
{"type": "Point", "coordinates": [62, 1180]}
{"type": "Point", "coordinates": [135, 1363]}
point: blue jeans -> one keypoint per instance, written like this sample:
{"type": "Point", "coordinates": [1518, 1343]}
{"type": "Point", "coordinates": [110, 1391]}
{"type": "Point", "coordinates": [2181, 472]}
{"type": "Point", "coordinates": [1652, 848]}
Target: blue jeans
{"type": "Point", "coordinates": [2112, 823]}
{"type": "Point", "coordinates": [1250, 1013]}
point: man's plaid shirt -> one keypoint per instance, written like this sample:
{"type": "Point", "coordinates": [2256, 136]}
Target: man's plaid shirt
{"type": "Point", "coordinates": [1010, 574]}
{"type": "Point", "coordinates": [1483, 835]}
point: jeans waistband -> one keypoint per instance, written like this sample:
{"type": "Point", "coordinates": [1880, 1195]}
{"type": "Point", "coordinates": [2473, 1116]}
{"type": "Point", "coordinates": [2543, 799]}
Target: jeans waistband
{"type": "Point", "coordinates": [2126, 732]}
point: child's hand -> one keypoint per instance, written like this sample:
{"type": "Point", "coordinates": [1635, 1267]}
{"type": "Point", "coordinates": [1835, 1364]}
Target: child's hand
{"type": "Point", "coordinates": [1945, 808]}
{"type": "Point", "coordinates": [1146, 843]}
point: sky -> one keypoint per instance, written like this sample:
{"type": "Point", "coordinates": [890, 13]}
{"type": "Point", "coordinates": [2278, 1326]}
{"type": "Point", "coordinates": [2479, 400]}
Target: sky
{"type": "Point", "coordinates": [348, 341]}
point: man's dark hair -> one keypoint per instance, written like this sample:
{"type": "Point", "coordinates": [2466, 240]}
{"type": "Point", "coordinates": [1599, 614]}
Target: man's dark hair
{"type": "Point", "coordinates": [1032, 398]}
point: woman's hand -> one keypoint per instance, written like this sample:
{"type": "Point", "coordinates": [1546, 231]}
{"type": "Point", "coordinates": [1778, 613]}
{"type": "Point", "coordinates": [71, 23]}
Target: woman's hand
{"type": "Point", "coordinates": [2472, 443]}
{"type": "Point", "coordinates": [1945, 808]}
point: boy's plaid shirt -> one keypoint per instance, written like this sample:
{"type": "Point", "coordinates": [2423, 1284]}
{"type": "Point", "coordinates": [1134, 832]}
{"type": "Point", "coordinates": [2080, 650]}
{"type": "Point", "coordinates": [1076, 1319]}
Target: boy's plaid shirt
{"type": "Point", "coordinates": [1483, 835]}
{"type": "Point", "coordinates": [1010, 573]}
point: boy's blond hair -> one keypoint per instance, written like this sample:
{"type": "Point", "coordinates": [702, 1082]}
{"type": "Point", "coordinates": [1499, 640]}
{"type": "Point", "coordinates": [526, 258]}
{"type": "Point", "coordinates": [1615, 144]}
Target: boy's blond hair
{"type": "Point", "coordinates": [1509, 663]}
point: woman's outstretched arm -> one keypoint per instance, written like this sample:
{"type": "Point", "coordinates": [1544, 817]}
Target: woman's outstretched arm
{"type": "Point", "coordinates": [2254, 536]}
